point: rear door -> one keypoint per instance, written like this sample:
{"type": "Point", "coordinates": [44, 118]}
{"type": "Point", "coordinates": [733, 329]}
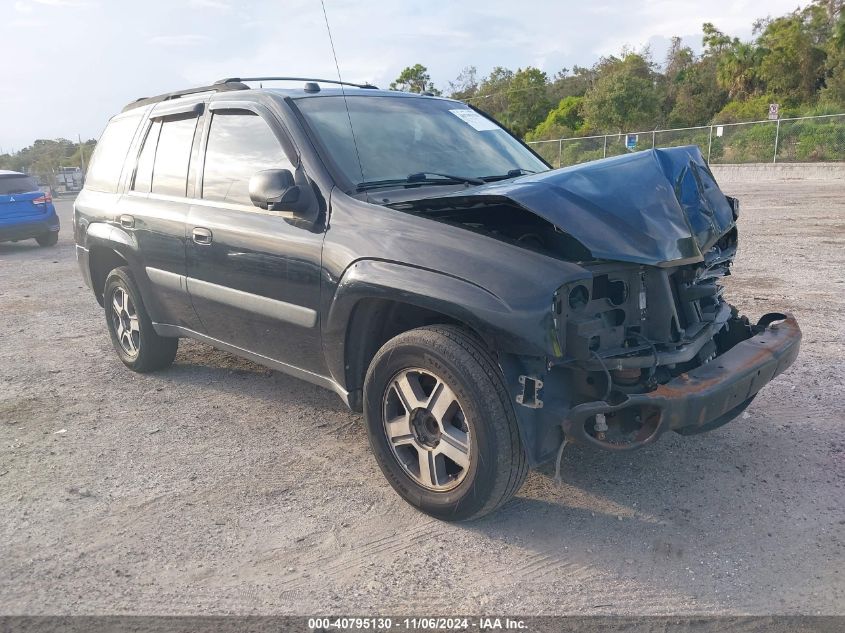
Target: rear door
{"type": "Point", "coordinates": [254, 277]}
{"type": "Point", "coordinates": [156, 206]}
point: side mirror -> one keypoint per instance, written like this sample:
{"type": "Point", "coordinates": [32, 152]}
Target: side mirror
{"type": "Point", "coordinates": [276, 190]}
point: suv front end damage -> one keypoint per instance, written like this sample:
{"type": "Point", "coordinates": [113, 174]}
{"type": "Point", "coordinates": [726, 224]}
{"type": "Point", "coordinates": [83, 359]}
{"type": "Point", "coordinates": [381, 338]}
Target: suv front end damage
{"type": "Point", "coordinates": [642, 350]}
{"type": "Point", "coordinates": [648, 349]}
{"type": "Point", "coordinates": [694, 401]}
{"type": "Point", "coordinates": [645, 342]}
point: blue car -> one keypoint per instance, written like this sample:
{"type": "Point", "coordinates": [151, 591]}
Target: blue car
{"type": "Point", "coordinates": [26, 211]}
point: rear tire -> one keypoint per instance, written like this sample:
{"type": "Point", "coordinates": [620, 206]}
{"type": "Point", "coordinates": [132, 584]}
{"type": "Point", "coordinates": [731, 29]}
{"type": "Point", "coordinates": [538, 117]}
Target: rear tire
{"type": "Point", "coordinates": [132, 333]}
{"type": "Point", "coordinates": [441, 423]}
{"type": "Point", "coordinates": [48, 239]}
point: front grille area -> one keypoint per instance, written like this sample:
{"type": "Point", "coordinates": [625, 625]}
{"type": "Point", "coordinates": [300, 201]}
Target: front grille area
{"type": "Point", "coordinates": [627, 310]}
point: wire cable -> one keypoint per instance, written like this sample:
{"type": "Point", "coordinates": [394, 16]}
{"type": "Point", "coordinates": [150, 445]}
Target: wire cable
{"type": "Point", "coordinates": [650, 343]}
{"type": "Point", "coordinates": [342, 90]}
{"type": "Point", "coordinates": [563, 444]}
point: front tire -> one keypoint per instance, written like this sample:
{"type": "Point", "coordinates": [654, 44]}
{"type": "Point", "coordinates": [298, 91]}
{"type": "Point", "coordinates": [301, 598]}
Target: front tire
{"type": "Point", "coordinates": [48, 239]}
{"type": "Point", "coordinates": [132, 333]}
{"type": "Point", "coordinates": [441, 423]}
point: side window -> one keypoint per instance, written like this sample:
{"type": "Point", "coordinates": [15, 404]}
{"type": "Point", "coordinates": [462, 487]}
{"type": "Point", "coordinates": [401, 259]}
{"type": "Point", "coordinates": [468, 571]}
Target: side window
{"type": "Point", "coordinates": [144, 174]}
{"type": "Point", "coordinates": [240, 143]}
{"type": "Point", "coordinates": [172, 155]}
{"type": "Point", "coordinates": [110, 154]}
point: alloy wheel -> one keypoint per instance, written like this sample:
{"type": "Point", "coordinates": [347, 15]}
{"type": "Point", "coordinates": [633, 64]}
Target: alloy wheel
{"type": "Point", "coordinates": [125, 321]}
{"type": "Point", "coordinates": [426, 429]}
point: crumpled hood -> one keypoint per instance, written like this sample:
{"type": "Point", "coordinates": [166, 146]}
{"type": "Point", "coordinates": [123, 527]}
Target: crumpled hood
{"type": "Point", "coordinates": [650, 207]}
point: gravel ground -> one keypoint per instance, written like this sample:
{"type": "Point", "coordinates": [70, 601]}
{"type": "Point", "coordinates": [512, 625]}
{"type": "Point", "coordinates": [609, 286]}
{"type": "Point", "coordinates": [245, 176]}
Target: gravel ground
{"type": "Point", "coordinates": [219, 486]}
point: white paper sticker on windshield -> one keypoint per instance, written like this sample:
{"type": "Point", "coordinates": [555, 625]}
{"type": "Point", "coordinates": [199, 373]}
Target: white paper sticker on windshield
{"type": "Point", "coordinates": [477, 121]}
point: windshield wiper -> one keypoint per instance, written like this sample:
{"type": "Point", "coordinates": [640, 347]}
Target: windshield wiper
{"type": "Point", "coordinates": [420, 178]}
{"type": "Point", "coordinates": [513, 173]}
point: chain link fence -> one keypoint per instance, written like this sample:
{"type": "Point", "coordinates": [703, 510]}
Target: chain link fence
{"type": "Point", "coordinates": [793, 140]}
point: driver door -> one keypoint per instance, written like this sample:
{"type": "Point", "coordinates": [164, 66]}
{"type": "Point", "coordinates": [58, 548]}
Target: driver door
{"type": "Point", "coordinates": [253, 277]}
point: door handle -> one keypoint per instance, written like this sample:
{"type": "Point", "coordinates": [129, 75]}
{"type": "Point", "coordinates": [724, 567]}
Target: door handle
{"type": "Point", "coordinates": [127, 221]}
{"type": "Point", "coordinates": [201, 235]}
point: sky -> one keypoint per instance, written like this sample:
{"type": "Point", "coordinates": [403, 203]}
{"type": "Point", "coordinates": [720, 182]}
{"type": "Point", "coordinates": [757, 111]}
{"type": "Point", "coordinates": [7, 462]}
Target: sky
{"type": "Point", "coordinates": [68, 65]}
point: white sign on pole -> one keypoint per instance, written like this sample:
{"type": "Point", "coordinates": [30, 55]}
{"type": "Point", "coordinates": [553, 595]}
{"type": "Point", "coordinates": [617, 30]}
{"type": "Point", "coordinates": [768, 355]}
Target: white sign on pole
{"type": "Point", "coordinates": [720, 130]}
{"type": "Point", "coordinates": [774, 111]}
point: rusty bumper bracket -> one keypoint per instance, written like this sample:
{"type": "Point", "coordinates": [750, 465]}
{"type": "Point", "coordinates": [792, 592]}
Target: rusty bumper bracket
{"type": "Point", "coordinates": [704, 397]}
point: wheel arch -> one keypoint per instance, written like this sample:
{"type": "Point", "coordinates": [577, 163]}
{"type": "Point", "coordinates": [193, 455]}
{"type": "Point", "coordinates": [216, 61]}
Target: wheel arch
{"type": "Point", "coordinates": [377, 300]}
{"type": "Point", "coordinates": [102, 259]}
{"type": "Point", "coordinates": [374, 321]}
{"type": "Point", "coordinates": [108, 247]}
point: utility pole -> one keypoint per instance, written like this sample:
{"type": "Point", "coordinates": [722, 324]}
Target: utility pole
{"type": "Point", "coordinates": [709, 143]}
{"type": "Point", "coordinates": [81, 154]}
{"type": "Point", "coordinates": [777, 138]}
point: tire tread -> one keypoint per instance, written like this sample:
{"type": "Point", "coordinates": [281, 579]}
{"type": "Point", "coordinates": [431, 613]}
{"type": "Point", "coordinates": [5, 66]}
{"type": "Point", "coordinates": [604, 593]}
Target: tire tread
{"type": "Point", "coordinates": [466, 349]}
{"type": "Point", "coordinates": [157, 352]}
{"type": "Point", "coordinates": [479, 352]}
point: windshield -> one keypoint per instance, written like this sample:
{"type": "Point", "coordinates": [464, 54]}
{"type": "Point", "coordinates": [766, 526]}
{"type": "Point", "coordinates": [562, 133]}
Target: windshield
{"type": "Point", "coordinates": [400, 136]}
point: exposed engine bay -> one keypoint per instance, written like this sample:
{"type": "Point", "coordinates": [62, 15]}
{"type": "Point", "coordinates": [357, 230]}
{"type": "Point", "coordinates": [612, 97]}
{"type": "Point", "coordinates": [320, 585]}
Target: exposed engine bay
{"type": "Point", "coordinates": [508, 222]}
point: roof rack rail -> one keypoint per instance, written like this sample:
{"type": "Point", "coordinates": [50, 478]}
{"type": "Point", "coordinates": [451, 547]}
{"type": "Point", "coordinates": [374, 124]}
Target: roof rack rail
{"type": "Point", "coordinates": [322, 81]}
{"type": "Point", "coordinates": [167, 96]}
{"type": "Point", "coordinates": [233, 83]}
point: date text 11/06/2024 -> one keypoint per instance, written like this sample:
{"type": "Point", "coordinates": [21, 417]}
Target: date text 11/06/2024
{"type": "Point", "coordinates": [416, 624]}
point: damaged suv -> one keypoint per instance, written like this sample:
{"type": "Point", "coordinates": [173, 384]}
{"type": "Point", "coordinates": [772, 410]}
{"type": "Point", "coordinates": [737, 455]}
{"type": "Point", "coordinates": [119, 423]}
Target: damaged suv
{"type": "Point", "coordinates": [412, 255]}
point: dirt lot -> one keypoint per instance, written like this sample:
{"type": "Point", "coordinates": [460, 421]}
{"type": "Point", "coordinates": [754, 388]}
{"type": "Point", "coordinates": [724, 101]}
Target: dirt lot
{"type": "Point", "coordinates": [219, 486]}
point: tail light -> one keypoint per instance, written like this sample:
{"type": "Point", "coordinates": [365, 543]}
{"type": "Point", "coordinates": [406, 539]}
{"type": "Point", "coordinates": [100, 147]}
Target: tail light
{"type": "Point", "coordinates": [43, 199]}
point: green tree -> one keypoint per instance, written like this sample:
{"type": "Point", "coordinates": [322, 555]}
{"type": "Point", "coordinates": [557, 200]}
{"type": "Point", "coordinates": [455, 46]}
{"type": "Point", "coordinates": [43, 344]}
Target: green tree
{"type": "Point", "coordinates": [44, 157]}
{"type": "Point", "coordinates": [465, 85]}
{"type": "Point", "coordinates": [696, 95]}
{"type": "Point", "coordinates": [570, 84]}
{"type": "Point", "coordinates": [624, 96]}
{"type": "Point", "coordinates": [528, 103]}
{"type": "Point", "coordinates": [713, 39]}
{"type": "Point", "coordinates": [737, 62]}
{"type": "Point", "coordinates": [561, 122]}
{"type": "Point", "coordinates": [738, 69]}
{"type": "Point", "coordinates": [517, 99]}
{"type": "Point", "coordinates": [414, 79]}
{"type": "Point", "coordinates": [793, 65]}
{"type": "Point", "coordinates": [834, 90]}
{"type": "Point", "coordinates": [492, 94]}
{"type": "Point", "coordinates": [678, 58]}
{"type": "Point", "coordinates": [754, 108]}
{"type": "Point", "coordinates": [838, 40]}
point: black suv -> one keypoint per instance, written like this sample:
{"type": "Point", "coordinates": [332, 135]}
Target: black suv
{"type": "Point", "coordinates": [409, 253]}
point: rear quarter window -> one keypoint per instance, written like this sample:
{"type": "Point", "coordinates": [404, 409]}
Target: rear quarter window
{"type": "Point", "coordinates": [110, 154]}
{"type": "Point", "coordinates": [144, 172]}
{"type": "Point", "coordinates": [172, 156]}
{"type": "Point", "coordinates": [10, 185]}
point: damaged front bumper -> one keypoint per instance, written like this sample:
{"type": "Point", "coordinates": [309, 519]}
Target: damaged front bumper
{"type": "Point", "coordinates": [700, 400]}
